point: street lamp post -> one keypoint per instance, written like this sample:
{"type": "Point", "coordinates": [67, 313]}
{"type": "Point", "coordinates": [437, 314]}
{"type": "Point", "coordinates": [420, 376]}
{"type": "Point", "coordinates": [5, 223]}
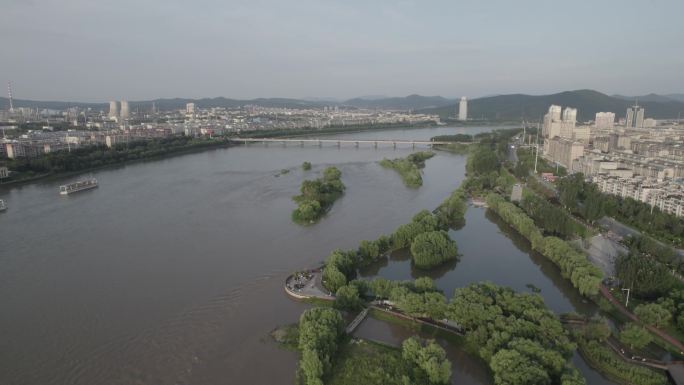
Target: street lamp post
{"type": "Point", "coordinates": [627, 302]}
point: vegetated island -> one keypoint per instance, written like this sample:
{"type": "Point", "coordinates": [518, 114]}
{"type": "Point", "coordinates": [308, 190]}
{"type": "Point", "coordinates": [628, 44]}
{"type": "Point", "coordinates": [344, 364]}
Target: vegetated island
{"type": "Point", "coordinates": [409, 167]}
{"type": "Point", "coordinates": [317, 196]}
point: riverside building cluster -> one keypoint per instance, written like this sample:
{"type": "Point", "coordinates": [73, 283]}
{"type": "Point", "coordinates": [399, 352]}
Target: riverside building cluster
{"type": "Point", "coordinates": [32, 132]}
{"type": "Point", "coordinates": [635, 157]}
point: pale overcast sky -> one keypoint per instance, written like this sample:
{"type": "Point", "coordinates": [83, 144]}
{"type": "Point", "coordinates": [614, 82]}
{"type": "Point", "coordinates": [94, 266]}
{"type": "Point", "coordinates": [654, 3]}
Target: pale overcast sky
{"type": "Point", "coordinates": [92, 50]}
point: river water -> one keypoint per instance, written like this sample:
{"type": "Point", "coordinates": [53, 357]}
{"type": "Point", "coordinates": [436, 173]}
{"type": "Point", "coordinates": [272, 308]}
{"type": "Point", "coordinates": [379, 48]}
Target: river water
{"type": "Point", "coordinates": [171, 271]}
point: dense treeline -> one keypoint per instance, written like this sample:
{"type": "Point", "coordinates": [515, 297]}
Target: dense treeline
{"type": "Point", "coordinates": [320, 332]}
{"type": "Point", "coordinates": [409, 167]}
{"type": "Point", "coordinates": [673, 303]}
{"type": "Point", "coordinates": [648, 280]}
{"type": "Point", "coordinates": [604, 359]}
{"type": "Point", "coordinates": [85, 158]}
{"type": "Point", "coordinates": [573, 265]}
{"type": "Point", "coordinates": [661, 253]}
{"type": "Point", "coordinates": [417, 298]}
{"type": "Point", "coordinates": [585, 199]}
{"type": "Point", "coordinates": [317, 196]}
{"type": "Point", "coordinates": [553, 219]}
{"type": "Point", "coordinates": [519, 338]}
{"type": "Point", "coordinates": [464, 138]}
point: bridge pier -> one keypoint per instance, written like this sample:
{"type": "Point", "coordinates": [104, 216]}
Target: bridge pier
{"type": "Point", "coordinates": [395, 145]}
{"type": "Point", "coordinates": [357, 144]}
{"type": "Point", "coordinates": [301, 143]}
{"type": "Point", "coordinates": [375, 144]}
{"type": "Point", "coordinates": [339, 144]}
{"type": "Point", "coordinates": [413, 145]}
{"type": "Point", "coordinates": [320, 144]}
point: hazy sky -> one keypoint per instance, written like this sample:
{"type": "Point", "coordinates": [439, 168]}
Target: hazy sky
{"type": "Point", "coordinates": [95, 50]}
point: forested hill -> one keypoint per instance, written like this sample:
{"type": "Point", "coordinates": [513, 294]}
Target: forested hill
{"type": "Point", "coordinates": [532, 107]}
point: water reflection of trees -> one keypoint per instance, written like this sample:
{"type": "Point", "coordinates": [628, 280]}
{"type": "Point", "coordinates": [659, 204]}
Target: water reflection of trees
{"type": "Point", "coordinates": [548, 268]}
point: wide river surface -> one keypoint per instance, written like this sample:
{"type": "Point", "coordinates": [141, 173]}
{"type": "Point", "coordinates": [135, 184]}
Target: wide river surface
{"type": "Point", "coordinates": [171, 271]}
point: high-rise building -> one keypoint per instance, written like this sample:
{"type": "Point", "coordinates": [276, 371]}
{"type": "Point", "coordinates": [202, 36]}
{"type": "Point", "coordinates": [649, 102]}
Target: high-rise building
{"type": "Point", "coordinates": [635, 117]}
{"type": "Point", "coordinates": [190, 108]}
{"type": "Point", "coordinates": [569, 121]}
{"type": "Point", "coordinates": [125, 112]}
{"type": "Point", "coordinates": [570, 115]}
{"type": "Point", "coordinates": [552, 122]}
{"type": "Point", "coordinates": [604, 120]}
{"type": "Point", "coordinates": [113, 109]}
{"type": "Point", "coordinates": [463, 109]}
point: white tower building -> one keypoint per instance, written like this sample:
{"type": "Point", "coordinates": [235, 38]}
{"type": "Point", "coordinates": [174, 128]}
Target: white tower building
{"type": "Point", "coordinates": [113, 109]}
{"type": "Point", "coordinates": [569, 121]}
{"type": "Point", "coordinates": [125, 112]}
{"type": "Point", "coordinates": [190, 108]}
{"type": "Point", "coordinates": [463, 109]}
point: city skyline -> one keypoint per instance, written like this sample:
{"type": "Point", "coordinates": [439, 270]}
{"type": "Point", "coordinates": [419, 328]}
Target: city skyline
{"type": "Point", "coordinates": [339, 50]}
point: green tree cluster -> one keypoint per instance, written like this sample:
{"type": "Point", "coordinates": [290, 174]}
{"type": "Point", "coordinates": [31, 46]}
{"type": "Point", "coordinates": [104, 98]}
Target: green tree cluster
{"type": "Point", "coordinates": [320, 332]}
{"type": "Point", "coordinates": [340, 268]}
{"type": "Point", "coordinates": [553, 219]}
{"type": "Point", "coordinates": [317, 196]}
{"type": "Point", "coordinates": [306, 166]}
{"type": "Point", "coordinates": [656, 250]}
{"type": "Point", "coordinates": [417, 298]}
{"type": "Point", "coordinates": [429, 358]}
{"type": "Point", "coordinates": [585, 199]}
{"type": "Point", "coordinates": [409, 167]}
{"type": "Point", "coordinates": [347, 298]}
{"type": "Point", "coordinates": [451, 213]}
{"type": "Point", "coordinates": [522, 341]}
{"type": "Point", "coordinates": [646, 278]}
{"type": "Point", "coordinates": [573, 265]}
{"type": "Point", "coordinates": [674, 304]}
{"type": "Point", "coordinates": [432, 249]}
{"type": "Point", "coordinates": [635, 336]}
{"type": "Point", "coordinates": [653, 314]}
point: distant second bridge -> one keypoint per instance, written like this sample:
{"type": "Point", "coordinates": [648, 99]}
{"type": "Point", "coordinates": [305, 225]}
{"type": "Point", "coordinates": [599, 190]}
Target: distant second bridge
{"type": "Point", "coordinates": [340, 142]}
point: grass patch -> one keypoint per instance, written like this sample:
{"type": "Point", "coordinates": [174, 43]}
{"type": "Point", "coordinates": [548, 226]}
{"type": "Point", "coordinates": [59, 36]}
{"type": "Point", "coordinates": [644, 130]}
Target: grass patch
{"type": "Point", "coordinates": [287, 336]}
{"type": "Point", "coordinates": [369, 363]}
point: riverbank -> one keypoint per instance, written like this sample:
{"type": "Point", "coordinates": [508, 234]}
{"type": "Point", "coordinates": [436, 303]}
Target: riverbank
{"type": "Point", "coordinates": [95, 158]}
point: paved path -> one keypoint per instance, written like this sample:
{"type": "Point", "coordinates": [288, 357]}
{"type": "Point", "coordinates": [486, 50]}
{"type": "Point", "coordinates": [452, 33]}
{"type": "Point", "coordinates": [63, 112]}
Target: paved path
{"type": "Point", "coordinates": [673, 341]}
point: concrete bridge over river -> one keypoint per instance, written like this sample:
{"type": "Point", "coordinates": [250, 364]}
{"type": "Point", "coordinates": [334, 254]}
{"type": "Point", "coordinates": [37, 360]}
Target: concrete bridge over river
{"type": "Point", "coordinates": [339, 142]}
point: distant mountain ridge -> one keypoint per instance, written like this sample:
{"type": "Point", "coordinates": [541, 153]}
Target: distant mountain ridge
{"type": "Point", "coordinates": [533, 107]}
{"type": "Point", "coordinates": [410, 102]}
{"type": "Point", "coordinates": [498, 107]}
